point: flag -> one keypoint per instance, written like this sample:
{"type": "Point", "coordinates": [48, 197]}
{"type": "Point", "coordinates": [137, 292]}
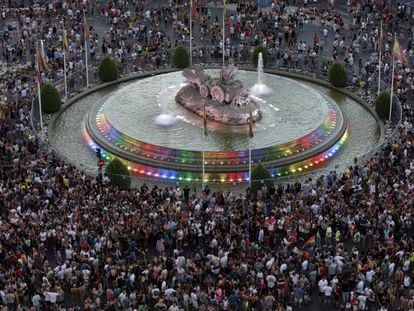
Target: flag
{"type": "Point", "coordinates": [86, 28]}
{"type": "Point", "coordinates": [41, 63]}
{"type": "Point", "coordinates": [39, 77]}
{"type": "Point", "coordinates": [65, 41]}
{"type": "Point", "coordinates": [205, 121]}
{"type": "Point", "coordinates": [193, 8]}
{"type": "Point", "coordinates": [398, 52]}
{"type": "Point", "coordinates": [250, 124]}
{"type": "Point", "coordinates": [381, 37]}
{"type": "Point", "coordinates": [224, 7]}
{"type": "Point", "coordinates": [310, 242]}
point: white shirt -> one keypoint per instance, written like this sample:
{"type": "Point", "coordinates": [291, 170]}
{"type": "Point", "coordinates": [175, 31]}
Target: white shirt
{"type": "Point", "coordinates": [223, 261]}
{"type": "Point", "coordinates": [36, 300]}
{"type": "Point", "coordinates": [322, 284]}
{"type": "Point", "coordinates": [335, 281]}
{"type": "Point", "coordinates": [271, 280]}
{"type": "Point", "coordinates": [362, 301]}
{"type": "Point", "coordinates": [194, 300]}
{"type": "Point", "coordinates": [369, 275]}
{"type": "Point", "coordinates": [391, 267]}
{"type": "Point", "coordinates": [407, 281]}
{"type": "Point", "coordinates": [360, 287]}
{"type": "Point", "coordinates": [51, 296]}
{"type": "Point", "coordinates": [270, 262]}
{"type": "Point", "coordinates": [328, 291]}
{"type": "Point", "coordinates": [305, 265]}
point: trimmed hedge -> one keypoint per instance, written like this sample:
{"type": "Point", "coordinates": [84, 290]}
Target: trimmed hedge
{"type": "Point", "coordinates": [337, 75]}
{"type": "Point", "coordinates": [118, 174]}
{"type": "Point", "coordinates": [50, 99]}
{"type": "Point", "coordinates": [108, 70]}
{"type": "Point", "coordinates": [382, 105]}
{"type": "Point", "coordinates": [260, 175]}
{"type": "Point", "coordinates": [181, 57]}
{"type": "Point", "coordinates": [256, 52]}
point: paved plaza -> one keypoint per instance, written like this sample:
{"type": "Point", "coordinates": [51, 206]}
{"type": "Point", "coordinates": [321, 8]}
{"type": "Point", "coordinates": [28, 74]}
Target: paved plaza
{"type": "Point", "coordinates": [70, 239]}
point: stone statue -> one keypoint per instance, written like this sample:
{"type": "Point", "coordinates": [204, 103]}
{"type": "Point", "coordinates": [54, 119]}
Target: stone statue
{"type": "Point", "coordinates": [222, 98]}
{"type": "Point", "coordinates": [197, 77]}
{"type": "Point", "coordinates": [228, 73]}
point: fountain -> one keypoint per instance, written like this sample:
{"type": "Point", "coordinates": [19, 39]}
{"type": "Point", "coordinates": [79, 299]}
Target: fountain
{"type": "Point", "coordinates": [224, 99]}
{"type": "Point", "coordinates": [304, 132]}
{"type": "Point", "coordinates": [260, 88]}
{"type": "Point", "coordinates": [165, 118]}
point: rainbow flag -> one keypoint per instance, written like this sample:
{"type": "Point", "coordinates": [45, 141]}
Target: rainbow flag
{"type": "Point", "coordinates": [193, 8]}
{"type": "Point", "coordinates": [310, 242]}
{"type": "Point", "coordinates": [65, 41]}
{"type": "Point", "coordinates": [398, 52]}
{"type": "Point", "coordinates": [41, 63]}
{"type": "Point", "coordinates": [39, 77]}
{"type": "Point", "coordinates": [86, 28]}
{"type": "Point", "coordinates": [381, 37]}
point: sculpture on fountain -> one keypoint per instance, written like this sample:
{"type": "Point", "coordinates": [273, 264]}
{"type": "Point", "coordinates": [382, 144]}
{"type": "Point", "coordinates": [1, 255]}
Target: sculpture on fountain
{"type": "Point", "coordinates": [226, 99]}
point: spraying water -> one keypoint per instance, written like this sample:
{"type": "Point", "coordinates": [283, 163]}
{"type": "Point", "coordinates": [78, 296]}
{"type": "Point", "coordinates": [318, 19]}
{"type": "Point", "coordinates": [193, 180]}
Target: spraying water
{"type": "Point", "coordinates": [165, 118]}
{"type": "Point", "coordinates": [260, 88]}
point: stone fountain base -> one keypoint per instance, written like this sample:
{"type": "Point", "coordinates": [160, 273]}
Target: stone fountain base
{"type": "Point", "coordinates": [231, 114]}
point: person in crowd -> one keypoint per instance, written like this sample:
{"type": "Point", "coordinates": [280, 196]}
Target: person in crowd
{"type": "Point", "coordinates": [73, 241]}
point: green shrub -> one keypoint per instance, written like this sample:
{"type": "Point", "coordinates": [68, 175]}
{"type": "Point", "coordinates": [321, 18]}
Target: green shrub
{"type": "Point", "coordinates": [108, 70]}
{"type": "Point", "coordinates": [118, 174]}
{"type": "Point", "coordinates": [337, 75]}
{"type": "Point", "coordinates": [256, 52]}
{"type": "Point", "coordinates": [181, 57]}
{"type": "Point", "coordinates": [50, 99]}
{"type": "Point", "coordinates": [382, 105]}
{"type": "Point", "coordinates": [260, 175]}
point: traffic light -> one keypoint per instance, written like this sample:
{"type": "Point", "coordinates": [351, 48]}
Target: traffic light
{"type": "Point", "coordinates": [98, 153]}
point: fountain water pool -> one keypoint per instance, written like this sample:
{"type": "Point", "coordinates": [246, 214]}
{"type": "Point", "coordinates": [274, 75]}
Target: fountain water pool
{"type": "Point", "coordinates": [318, 133]}
{"type": "Point", "coordinates": [274, 136]}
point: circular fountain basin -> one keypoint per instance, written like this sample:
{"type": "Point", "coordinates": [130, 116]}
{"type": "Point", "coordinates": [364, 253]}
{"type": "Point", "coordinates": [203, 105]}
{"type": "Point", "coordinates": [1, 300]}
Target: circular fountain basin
{"type": "Point", "coordinates": [319, 131]}
{"type": "Point", "coordinates": [67, 132]}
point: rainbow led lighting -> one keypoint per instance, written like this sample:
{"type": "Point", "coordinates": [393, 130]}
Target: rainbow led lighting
{"type": "Point", "coordinates": [168, 174]}
{"type": "Point", "coordinates": [216, 158]}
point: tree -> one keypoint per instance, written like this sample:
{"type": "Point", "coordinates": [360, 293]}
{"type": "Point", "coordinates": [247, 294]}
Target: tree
{"type": "Point", "coordinates": [118, 174]}
{"type": "Point", "coordinates": [108, 70]}
{"type": "Point", "coordinates": [337, 75]}
{"type": "Point", "coordinates": [181, 57]}
{"type": "Point", "coordinates": [260, 175]}
{"type": "Point", "coordinates": [50, 99]}
{"type": "Point", "coordinates": [382, 105]}
{"type": "Point", "coordinates": [256, 52]}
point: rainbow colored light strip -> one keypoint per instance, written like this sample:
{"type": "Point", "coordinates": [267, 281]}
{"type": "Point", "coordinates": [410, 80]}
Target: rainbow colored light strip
{"type": "Point", "coordinates": [168, 174]}
{"type": "Point", "coordinates": [215, 158]}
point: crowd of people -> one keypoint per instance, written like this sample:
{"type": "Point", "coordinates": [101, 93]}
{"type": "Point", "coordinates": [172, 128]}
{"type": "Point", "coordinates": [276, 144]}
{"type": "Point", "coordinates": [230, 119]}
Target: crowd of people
{"type": "Point", "coordinates": [69, 241]}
